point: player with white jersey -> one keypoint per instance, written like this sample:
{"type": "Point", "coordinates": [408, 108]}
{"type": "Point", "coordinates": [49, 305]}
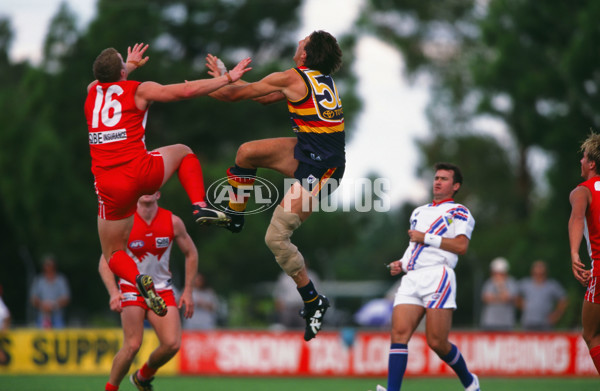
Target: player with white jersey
{"type": "Point", "coordinates": [439, 232]}
{"type": "Point", "coordinates": [585, 221]}
{"type": "Point", "coordinates": [150, 243]}
{"type": "Point", "coordinates": [116, 111]}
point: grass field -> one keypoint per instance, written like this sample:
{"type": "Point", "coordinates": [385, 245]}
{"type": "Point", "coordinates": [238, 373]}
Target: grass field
{"type": "Point", "coordinates": [96, 383]}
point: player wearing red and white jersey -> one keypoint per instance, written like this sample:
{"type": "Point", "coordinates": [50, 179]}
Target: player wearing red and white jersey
{"type": "Point", "coordinates": [315, 157]}
{"type": "Point", "coordinates": [439, 232]}
{"type": "Point", "coordinates": [116, 110]}
{"type": "Point", "coordinates": [585, 221]}
{"type": "Point", "coordinates": [150, 243]}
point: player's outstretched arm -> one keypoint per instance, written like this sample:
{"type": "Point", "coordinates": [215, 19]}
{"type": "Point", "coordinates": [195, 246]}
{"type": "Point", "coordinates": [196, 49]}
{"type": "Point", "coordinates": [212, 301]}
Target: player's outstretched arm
{"type": "Point", "coordinates": [154, 92]}
{"type": "Point", "coordinates": [241, 90]}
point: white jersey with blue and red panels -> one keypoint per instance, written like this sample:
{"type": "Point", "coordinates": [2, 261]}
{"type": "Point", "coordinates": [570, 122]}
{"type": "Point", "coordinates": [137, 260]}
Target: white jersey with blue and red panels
{"type": "Point", "coordinates": [447, 219]}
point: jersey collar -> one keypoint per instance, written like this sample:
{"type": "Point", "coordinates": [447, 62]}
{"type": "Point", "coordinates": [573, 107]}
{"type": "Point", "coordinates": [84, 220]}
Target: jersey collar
{"type": "Point", "coordinates": [433, 203]}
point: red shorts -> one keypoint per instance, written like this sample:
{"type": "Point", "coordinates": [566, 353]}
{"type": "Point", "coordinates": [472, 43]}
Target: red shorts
{"type": "Point", "coordinates": [119, 188]}
{"type": "Point", "coordinates": [131, 296]}
{"type": "Point", "coordinates": [593, 290]}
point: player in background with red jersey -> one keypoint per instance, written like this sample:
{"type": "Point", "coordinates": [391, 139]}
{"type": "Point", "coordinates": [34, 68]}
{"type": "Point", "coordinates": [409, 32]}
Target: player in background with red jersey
{"type": "Point", "coordinates": [585, 221]}
{"type": "Point", "coordinates": [116, 111]}
{"type": "Point", "coordinates": [150, 243]}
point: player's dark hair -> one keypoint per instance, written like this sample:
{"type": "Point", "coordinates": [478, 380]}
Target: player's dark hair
{"type": "Point", "coordinates": [323, 53]}
{"type": "Point", "coordinates": [457, 176]}
{"type": "Point", "coordinates": [107, 66]}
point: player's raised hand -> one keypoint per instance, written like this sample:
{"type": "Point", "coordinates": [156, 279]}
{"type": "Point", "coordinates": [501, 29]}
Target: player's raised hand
{"type": "Point", "coordinates": [215, 66]}
{"type": "Point", "coordinates": [238, 71]}
{"type": "Point", "coordinates": [135, 56]}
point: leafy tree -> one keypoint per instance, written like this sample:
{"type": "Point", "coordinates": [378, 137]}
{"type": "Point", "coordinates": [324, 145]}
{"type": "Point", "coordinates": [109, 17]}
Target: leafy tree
{"type": "Point", "coordinates": [47, 200]}
{"type": "Point", "coordinates": [533, 72]}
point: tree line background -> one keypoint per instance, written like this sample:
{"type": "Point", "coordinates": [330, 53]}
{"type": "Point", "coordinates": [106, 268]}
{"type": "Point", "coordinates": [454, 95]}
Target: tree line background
{"type": "Point", "coordinates": [530, 69]}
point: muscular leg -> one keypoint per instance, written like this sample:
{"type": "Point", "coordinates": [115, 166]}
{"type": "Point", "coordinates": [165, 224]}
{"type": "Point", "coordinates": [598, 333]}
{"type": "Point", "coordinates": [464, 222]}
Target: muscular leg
{"type": "Point", "coordinates": [172, 156]}
{"type": "Point", "coordinates": [113, 240]}
{"type": "Point", "coordinates": [168, 331]}
{"type": "Point", "coordinates": [180, 158]}
{"type": "Point", "coordinates": [437, 329]}
{"type": "Point", "coordinates": [274, 153]}
{"type": "Point", "coordinates": [282, 226]}
{"type": "Point", "coordinates": [438, 323]}
{"type": "Point", "coordinates": [405, 319]}
{"type": "Point", "coordinates": [281, 229]}
{"type": "Point", "coordinates": [132, 320]}
{"type": "Point", "coordinates": [114, 234]}
{"type": "Point", "coordinates": [590, 319]}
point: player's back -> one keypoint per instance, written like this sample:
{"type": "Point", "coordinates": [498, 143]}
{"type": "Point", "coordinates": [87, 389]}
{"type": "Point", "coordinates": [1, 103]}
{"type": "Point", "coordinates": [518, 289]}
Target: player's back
{"type": "Point", "coordinates": [116, 126]}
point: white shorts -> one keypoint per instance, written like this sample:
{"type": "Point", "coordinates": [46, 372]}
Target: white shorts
{"type": "Point", "coordinates": [430, 287]}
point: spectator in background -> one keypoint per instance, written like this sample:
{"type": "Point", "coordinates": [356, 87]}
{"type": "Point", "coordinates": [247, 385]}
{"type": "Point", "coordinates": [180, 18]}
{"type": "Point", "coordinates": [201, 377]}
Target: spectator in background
{"type": "Point", "coordinates": [542, 300]}
{"type": "Point", "coordinates": [288, 303]}
{"type": "Point", "coordinates": [4, 313]}
{"type": "Point", "coordinates": [499, 296]}
{"type": "Point", "coordinates": [4, 326]}
{"type": "Point", "coordinates": [50, 295]}
{"type": "Point", "coordinates": [206, 305]}
{"type": "Point", "coordinates": [378, 312]}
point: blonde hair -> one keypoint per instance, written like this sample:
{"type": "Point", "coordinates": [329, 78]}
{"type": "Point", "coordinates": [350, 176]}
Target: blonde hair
{"type": "Point", "coordinates": [591, 147]}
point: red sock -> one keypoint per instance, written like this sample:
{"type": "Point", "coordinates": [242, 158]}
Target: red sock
{"type": "Point", "coordinates": [110, 387]}
{"type": "Point", "coordinates": [123, 266]}
{"type": "Point", "coordinates": [145, 372]}
{"type": "Point", "coordinates": [190, 176]}
{"type": "Point", "coordinates": [595, 353]}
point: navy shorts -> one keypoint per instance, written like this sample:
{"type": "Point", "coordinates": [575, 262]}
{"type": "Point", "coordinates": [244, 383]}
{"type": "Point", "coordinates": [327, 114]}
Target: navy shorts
{"type": "Point", "coordinates": [320, 182]}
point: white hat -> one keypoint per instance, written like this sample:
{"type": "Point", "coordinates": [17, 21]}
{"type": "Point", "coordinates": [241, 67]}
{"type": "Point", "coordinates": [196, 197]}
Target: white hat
{"type": "Point", "coordinates": [499, 265]}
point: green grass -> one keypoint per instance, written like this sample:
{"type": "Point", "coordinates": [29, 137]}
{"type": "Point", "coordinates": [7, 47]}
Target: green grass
{"type": "Point", "coordinates": [196, 383]}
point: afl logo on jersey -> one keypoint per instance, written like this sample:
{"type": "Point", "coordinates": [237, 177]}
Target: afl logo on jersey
{"type": "Point", "coordinates": [162, 242]}
{"type": "Point", "coordinates": [136, 244]}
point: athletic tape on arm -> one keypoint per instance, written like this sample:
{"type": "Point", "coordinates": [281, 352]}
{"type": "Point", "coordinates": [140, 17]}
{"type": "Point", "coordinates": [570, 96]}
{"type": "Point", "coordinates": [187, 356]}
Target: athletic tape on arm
{"type": "Point", "coordinates": [278, 236]}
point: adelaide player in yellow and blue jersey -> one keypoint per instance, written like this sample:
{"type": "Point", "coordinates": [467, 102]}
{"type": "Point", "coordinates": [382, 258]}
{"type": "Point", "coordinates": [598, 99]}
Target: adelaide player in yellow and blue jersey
{"type": "Point", "coordinates": [315, 157]}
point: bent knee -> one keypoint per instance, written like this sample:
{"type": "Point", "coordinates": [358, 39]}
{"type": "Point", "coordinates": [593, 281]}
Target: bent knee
{"type": "Point", "coordinates": [277, 239]}
{"type": "Point", "coordinates": [184, 149]}
{"type": "Point", "coordinates": [132, 347]}
{"type": "Point", "coordinates": [440, 346]}
{"type": "Point", "coordinates": [243, 153]}
{"type": "Point", "coordinates": [173, 346]}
